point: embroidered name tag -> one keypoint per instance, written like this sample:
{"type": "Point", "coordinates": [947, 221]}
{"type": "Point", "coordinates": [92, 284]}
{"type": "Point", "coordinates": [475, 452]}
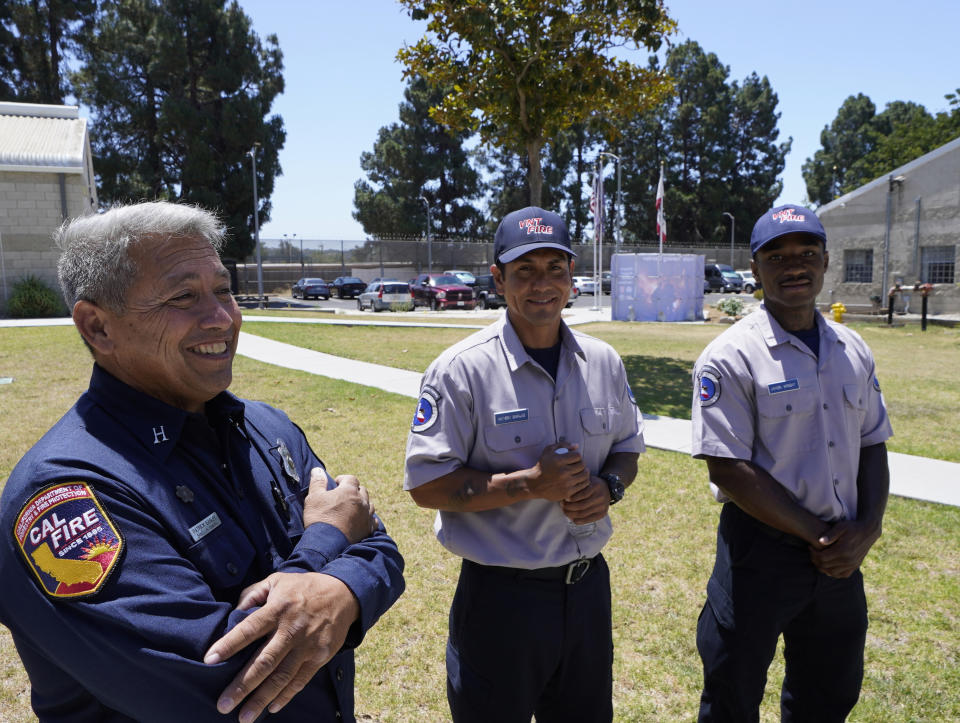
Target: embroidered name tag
{"type": "Point", "coordinates": [204, 527]}
{"type": "Point", "coordinates": [517, 415]}
{"type": "Point", "coordinates": [785, 386]}
{"type": "Point", "coordinates": [68, 540]}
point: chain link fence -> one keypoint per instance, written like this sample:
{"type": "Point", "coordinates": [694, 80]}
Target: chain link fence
{"type": "Point", "coordinates": [284, 261]}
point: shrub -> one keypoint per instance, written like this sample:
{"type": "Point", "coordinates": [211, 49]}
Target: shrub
{"type": "Point", "coordinates": [730, 307]}
{"type": "Point", "coordinates": [32, 298]}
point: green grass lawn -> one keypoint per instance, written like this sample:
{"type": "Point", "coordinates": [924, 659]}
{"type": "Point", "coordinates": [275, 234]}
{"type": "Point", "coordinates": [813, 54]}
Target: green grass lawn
{"type": "Point", "coordinates": [662, 549]}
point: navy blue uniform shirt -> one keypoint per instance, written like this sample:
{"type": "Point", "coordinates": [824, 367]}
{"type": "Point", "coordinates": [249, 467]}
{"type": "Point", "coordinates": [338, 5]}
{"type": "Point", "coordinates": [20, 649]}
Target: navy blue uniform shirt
{"type": "Point", "coordinates": [128, 532]}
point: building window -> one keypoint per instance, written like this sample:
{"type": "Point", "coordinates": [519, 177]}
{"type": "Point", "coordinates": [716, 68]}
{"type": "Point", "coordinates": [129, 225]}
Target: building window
{"type": "Point", "coordinates": [858, 266]}
{"type": "Point", "coordinates": [937, 264]}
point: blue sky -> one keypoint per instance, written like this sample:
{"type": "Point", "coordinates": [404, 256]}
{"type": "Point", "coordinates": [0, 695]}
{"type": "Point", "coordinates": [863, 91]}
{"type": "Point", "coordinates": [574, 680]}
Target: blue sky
{"type": "Point", "coordinates": [343, 82]}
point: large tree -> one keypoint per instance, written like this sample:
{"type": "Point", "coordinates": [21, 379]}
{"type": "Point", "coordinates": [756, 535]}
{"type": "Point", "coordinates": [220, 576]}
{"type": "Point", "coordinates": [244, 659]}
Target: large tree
{"type": "Point", "coordinates": [414, 160]}
{"type": "Point", "coordinates": [718, 142]}
{"type": "Point", "coordinates": [861, 144]}
{"type": "Point", "coordinates": [847, 139]}
{"type": "Point", "coordinates": [522, 72]}
{"type": "Point", "coordinates": [35, 37]}
{"type": "Point", "coordinates": [181, 92]}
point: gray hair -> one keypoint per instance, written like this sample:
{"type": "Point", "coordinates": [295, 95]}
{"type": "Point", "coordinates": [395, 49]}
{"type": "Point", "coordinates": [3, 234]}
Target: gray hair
{"type": "Point", "coordinates": [96, 265]}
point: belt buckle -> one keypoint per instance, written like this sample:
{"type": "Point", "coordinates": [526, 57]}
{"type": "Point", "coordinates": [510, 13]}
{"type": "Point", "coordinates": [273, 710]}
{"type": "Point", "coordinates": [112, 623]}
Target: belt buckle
{"type": "Point", "coordinates": [576, 570]}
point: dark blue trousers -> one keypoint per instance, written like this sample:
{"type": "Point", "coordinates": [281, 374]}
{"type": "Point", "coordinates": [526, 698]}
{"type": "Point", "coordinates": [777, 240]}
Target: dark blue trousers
{"type": "Point", "coordinates": [521, 646]}
{"type": "Point", "coordinates": [764, 585]}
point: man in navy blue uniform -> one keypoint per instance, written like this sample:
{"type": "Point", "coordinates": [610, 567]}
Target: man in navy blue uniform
{"type": "Point", "coordinates": [170, 551]}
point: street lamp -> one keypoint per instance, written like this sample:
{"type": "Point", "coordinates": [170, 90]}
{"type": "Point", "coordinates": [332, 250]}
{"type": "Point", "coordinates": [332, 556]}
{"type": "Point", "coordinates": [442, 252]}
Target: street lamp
{"type": "Point", "coordinates": [618, 231]}
{"type": "Point", "coordinates": [256, 226]}
{"type": "Point", "coordinates": [429, 244]}
{"type": "Point", "coordinates": [290, 246]}
{"type": "Point", "coordinates": [733, 223]}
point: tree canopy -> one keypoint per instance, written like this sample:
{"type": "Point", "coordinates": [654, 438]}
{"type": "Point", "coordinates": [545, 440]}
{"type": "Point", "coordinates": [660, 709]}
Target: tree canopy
{"type": "Point", "coordinates": [860, 144]}
{"type": "Point", "coordinates": [35, 37]}
{"type": "Point", "coordinates": [414, 160]}
{"type": "Point", "coordinates": [180, 92]}
{"type": "Point", "coordinates": [718, 142]}
{"type": "Point", "coordinates": [520, 73]}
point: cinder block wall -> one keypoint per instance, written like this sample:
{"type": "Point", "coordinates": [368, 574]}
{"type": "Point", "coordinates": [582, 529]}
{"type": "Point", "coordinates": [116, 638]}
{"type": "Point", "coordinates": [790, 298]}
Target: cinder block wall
{"type": "Point", "coordinates": [31, 208]}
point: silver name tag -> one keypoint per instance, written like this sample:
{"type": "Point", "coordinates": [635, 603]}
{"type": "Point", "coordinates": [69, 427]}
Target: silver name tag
{"type": "Point", "coordinates": [205, 526]}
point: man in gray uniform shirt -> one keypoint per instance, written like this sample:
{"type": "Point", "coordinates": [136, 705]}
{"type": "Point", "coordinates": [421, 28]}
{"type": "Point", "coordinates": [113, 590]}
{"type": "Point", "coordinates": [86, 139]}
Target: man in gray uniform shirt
{"type": "Point", "coordinates": [787, 413]}
{"type": "Point", "coordinates": [524, 435]}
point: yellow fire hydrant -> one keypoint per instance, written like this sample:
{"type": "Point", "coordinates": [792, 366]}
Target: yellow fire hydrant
{"type": "Point", "coordinates": [838, 310]}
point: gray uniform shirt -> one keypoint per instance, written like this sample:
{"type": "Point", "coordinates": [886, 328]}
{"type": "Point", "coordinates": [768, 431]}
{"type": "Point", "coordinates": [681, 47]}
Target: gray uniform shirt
{"type": "Point", "coordinates": [761, 395]}
{"type": "Point", "coordinates": [485, 404]}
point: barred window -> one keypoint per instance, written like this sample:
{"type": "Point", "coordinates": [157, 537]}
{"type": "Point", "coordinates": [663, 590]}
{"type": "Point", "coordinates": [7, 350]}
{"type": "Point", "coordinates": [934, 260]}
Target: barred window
{"type": "Point", "coordinates": [937, 264]}
{"type": "Point", "coordinates": [858, 266]}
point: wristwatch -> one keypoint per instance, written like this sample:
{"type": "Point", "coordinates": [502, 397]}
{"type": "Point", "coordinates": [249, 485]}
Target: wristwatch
{"type": "Point", "coordinates": [615, 485]}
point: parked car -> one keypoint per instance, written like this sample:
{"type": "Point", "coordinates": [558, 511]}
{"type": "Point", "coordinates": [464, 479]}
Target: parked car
{"type": "Point", "coordinates": [722, 277]}
{"type": "Point", "coordinates": [465, 277]}
{"type": "Point", "coordinates": [347, 287]}
{"type": "Point", "coordinates": [585, 284]}
{"type": "Point", "coordinates": [489, 298]}
{"type": "Point", "coordinates": [442, 291]}
{"type": "Point", "coordinates": [750, 284]}
{"type": "Point", "coordinates": [306, 288]}
{"type": "Point", "coordinates": [380, 295]}
{"type": "Point", "coordinates": [606, 282]}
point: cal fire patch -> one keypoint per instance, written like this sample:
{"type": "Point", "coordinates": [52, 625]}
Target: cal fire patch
{"type": "Point", "coordinates": [426, 414]}
{"type": "Point", "coordinates": [68, 540]}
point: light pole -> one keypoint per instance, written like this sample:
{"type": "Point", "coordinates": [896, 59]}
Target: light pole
{"type": "Point", "coordinates": [733, 223]}
{"type": "Point", "coordinates": [256, 226]}
{"type": "Point", "coordinates": [429, 244]}
{"type": "Point", "coordinates": [618, 235]}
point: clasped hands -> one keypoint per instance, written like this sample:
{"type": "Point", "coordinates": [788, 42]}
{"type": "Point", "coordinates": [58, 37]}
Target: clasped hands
{"type": "Point", "coordinates": [304, 617]}
{"type": "Point", "coordinates": [842, 547]}
{"type": "Point", "coordinates": [564, 478]}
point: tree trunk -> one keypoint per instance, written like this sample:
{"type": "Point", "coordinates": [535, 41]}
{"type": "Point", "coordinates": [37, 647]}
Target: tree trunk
{"type": "Point", "coordinates": [535, 172]}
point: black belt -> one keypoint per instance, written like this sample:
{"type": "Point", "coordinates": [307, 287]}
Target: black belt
{"type": "Point", "coordinates": [571, 573]}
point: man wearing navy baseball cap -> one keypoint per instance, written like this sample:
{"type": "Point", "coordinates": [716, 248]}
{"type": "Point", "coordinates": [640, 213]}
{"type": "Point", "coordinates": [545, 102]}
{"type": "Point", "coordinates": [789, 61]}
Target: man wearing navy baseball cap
{"type": "Point", "coordinates": [788, 414]}
{"type": "Point", "coordinates": [524, 435]}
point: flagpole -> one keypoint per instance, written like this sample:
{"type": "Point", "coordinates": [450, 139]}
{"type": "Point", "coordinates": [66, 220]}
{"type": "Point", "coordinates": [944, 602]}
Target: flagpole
{"type": "Point", "coordinates": [661, 220]}
{"type": "Point", "coordinates": [597, 231]}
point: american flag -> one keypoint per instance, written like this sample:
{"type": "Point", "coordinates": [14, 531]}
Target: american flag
{"type": "Point", "coordinates": [661, 219]}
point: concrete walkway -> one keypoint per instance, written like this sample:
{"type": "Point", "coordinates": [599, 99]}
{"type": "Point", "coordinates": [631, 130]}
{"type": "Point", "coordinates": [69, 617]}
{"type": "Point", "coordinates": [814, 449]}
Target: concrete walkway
{"type": "Point", "coordinates": [921, 478]}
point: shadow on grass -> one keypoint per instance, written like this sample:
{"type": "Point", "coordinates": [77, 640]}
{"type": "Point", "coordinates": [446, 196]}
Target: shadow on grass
{"type": "Point", "coordinates": [660, 385]}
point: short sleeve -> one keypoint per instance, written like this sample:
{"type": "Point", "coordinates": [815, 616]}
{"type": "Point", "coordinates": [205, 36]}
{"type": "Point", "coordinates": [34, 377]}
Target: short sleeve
{"type": "Point", "coordinates": [722, 413]}
{"type": "Point", "coordinates": [443, 429]}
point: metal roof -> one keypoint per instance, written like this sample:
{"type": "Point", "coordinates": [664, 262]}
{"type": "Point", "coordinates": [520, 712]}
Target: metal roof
{"type": "Point", "coordinates": [42, 138]}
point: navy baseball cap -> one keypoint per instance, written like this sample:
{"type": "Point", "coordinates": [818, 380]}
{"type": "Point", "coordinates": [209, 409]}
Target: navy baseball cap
{"type": "Point", "coordinates": [782, 220]}
{"type": "Point", "coordinates": [527, 230]}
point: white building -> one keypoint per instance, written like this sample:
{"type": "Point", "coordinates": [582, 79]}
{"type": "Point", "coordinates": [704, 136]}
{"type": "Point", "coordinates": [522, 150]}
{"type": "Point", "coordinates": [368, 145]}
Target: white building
{"type": "Point", "coordinates": [901, 228]}
{"type": "Point", "coordinates": [46, 176]}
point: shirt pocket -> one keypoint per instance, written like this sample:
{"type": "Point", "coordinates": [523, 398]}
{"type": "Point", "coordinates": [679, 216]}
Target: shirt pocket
{"type": "Point", "coordinates": [855, 402]}
{"type": "Point", "coordinates": [599, 421]}
{"type": "Point", "coordinates": [223, 556]}
{"type": "Point", "coordinates": [505, 437]}
{"type": "Point", "coordinates": [787, 421]}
